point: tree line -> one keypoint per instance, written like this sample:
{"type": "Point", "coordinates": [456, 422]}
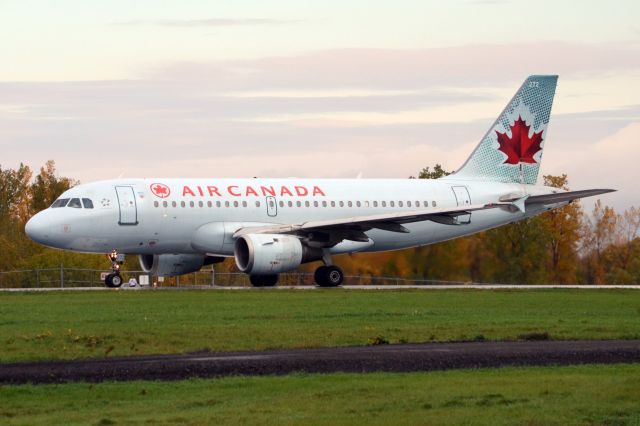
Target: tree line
{"type": "Point", "coordinates": [564, 246]}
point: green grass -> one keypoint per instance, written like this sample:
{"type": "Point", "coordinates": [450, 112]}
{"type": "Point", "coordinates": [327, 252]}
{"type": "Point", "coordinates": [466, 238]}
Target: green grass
{"type": "Point", "coordinates": [94, 324]}
{"type": "Point", "coordinates": [534, 396]}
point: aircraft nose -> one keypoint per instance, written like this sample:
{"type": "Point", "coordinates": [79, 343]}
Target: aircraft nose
{"type": "Point", "coordinates": [38, 228]}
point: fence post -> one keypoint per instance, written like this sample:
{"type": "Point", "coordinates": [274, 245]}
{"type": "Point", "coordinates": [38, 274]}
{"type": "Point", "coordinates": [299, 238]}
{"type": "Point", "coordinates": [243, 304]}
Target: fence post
{"type": "Point", "coordinates": [213, 276]}
{"type": "Point", "coordinates": [61, 275]}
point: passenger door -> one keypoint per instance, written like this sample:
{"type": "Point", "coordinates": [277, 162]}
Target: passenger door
{"type": "Point", "coordinates": [127, 205]}
{"type": "Point", "coordinates": [463, 199]}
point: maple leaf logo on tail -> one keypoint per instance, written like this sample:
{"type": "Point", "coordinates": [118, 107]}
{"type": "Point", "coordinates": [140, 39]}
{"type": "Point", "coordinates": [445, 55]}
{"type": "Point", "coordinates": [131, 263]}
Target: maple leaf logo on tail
{"type": "Point", "coordinates": [520, 148]}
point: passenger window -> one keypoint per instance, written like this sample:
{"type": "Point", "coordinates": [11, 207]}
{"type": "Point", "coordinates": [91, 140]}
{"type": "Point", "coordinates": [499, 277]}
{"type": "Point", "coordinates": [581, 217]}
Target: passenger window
{"type": "Point", "coordinates": [425, 203]}
{"type": "Point", "coordinates": [281, 203]}
{"type": "Point", "coordinates": [307, 204]}
{"type": "Point", "coordinates": [226, 204]}
{"type": "Point", "coordinates": [209, 204]}
{"type": "Point", "coordinates": [408, 203]}
{"type": "Point", "coordinates": [391, 203]}
{"type": "Point", "coordinates": [375, 204]}
{"type": "Point", "coordinates": [75, 203]}
{"type": "Point", "coordinates": [341, 203]}
{"type": "Point", "coordinates": [244, 204]}
{"type": "Point", "coordinates": [156, 204]}
{"type": "Point", "coordinates": [417, 203]}
{"type": "Point", "coordinates": [218, 204]}
{"type": "Point", "coordinates": [173, 204]}
{"type": "Point", "coordinates": [324, 204]}
{"type": "Point", "coordinates": [257, 203]}
{"type": "Point", "coordinates": [60, 202]}
{"type": "Point", "coordinates": [299, 204]}
{"type": "Point", "coordinates": [384, 204]}
{"type": "Point", "coordinates": [192, 204]}
{"type": "Point", "coordinates": [235, 204]}
{"type": "Point", "coordinates": [358, 203]}
{"type": "Point", "coordinates": [315, 204]}
{"type": "Point", "coordinates": [165, 204]}
{"type": "Point", "coordinates": [366, 203]}
{"type": "Point", "coordinates": [433, 203]}
{"type": "Point", "coordinates": [399, 203]}
{"type": "Point", "coordinates": [290, 203]}
{"type": "Point", "coordinates": [183, 204]}
{"type": "Point", "coordinates": [87, 203]}
{"type": "Point", "coordinates": [333, 204]}
{"type": "Point", "coordinates": [350, 204]}
{"type": "Point", "coordinates": [200, 204]}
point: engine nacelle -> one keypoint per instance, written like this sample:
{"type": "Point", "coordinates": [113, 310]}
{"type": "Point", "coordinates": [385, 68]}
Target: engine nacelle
{"type": "Point", "coordinates": [169, 265]}
{"type": "Point", "coordinates": [265, 254]}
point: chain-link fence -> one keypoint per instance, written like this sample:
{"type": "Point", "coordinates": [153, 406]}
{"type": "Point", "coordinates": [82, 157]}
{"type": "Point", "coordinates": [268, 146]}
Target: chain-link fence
{"type": "Point", "coordinates": [73, 278]}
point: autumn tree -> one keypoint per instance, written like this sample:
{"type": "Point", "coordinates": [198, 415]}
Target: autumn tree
{"type": "Point", "coordinates": [47, 187]}
{"type": "Point", "coordinates": [599, 232]}
{"type": "Point", "coordinates": [562, 227]}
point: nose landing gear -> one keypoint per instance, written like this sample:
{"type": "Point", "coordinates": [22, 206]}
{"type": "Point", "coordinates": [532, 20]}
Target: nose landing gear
{"type": "Point", "coordinates": [114, 280]}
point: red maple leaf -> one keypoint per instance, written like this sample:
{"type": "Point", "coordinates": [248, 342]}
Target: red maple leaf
{"type": "Point", "coordinates": [160, 190]}
{"type": "Point", "coordinates": [520, 148]}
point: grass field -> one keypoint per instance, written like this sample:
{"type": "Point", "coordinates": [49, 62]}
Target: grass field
{"type": "Point", "coordinates": [534, 396]}
{"type": "Point", "coordinates": [94, 324]}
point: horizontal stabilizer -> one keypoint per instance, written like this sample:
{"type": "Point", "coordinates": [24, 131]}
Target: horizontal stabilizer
{"type": "Point", "coordinates": [562, 197]}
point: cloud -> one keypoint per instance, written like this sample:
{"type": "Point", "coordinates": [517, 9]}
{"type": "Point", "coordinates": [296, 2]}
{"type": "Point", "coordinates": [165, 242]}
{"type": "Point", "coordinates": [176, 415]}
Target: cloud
{"type": "Point", "coordinates": [211, 22]}
{"type": "Point", "coordinates": [386, 113]}
{"type": "Point", "coordinates": [611, 162]}
{"type": "Point", "coordinates": [462, 66]}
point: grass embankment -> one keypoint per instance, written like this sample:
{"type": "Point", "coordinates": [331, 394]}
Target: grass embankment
{"type": "Point", "coordinates": [534, 396]}
{"type": "Point", "coordinates": [94, 324]}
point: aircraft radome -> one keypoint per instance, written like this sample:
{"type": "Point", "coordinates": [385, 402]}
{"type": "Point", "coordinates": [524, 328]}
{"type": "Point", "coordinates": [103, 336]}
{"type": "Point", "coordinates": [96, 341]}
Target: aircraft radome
{"type": "Point", "coordinates": [176, 226]}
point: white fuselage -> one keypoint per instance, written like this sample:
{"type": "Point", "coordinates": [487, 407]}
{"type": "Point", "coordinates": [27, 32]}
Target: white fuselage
{"type": "Point", "coordinates": [160, 216]}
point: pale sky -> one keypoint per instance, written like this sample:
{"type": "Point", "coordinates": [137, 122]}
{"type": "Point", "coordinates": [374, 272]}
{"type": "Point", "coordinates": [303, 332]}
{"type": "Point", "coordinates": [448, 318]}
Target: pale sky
{"type": "Point", "coordinates": [313, 89]}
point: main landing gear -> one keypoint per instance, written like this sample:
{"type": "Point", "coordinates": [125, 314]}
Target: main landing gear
{"type": "Point", "coordinates": [328, 275]}
{"type": "Point", "coordinates": [114, 280]}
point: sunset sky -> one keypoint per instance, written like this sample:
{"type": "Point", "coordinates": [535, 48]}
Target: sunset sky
{"type": "Point", "coordinates": [313, 89]}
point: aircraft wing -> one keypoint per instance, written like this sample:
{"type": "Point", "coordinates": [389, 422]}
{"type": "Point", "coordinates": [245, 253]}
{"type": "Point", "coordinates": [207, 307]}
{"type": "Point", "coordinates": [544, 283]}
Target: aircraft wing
{"type": "Point", "coordinates": [562, 197]}
{"type": "Point", "coordinates": [353, 228]}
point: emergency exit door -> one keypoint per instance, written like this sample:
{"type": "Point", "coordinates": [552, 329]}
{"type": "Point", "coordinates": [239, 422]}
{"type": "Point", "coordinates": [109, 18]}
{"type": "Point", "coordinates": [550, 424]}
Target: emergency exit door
{"type": "Point", "coordinates": [272, 207]}
{"type": "Point", "coordinates": [127, 205]}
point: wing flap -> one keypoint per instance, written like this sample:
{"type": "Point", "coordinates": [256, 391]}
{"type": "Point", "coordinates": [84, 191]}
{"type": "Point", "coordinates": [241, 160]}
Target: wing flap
{"type": "Point", "coordinates": [389, 222]}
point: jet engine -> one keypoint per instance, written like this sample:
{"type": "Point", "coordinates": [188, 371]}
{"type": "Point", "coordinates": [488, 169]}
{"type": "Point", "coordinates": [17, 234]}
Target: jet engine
{"type": "Point", "coordinates": [266, 254]}
{"type": "Point", "coordinates": [169, 265]}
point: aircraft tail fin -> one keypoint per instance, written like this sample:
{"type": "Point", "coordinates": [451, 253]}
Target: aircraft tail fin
{"type": "Point", "coordinates": [511, 151]}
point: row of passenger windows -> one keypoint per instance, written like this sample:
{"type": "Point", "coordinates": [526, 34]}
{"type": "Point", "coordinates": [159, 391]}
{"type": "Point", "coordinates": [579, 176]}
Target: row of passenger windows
{"type": "Point", "coordinates": [72, 202]}
{"type": "Point", "coordinates": [365, 204]}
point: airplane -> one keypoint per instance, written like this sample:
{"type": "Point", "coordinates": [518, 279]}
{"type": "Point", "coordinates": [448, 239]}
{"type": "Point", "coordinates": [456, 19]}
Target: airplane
{"type": "Point", "coordinates": [271, 226]}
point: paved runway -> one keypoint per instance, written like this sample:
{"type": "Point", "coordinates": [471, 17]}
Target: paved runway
{"type": "Point", "coordinates": [391, 358]}
{"type": "Point", "coordinates": [346, 287]}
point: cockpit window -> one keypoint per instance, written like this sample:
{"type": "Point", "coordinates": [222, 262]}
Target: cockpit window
{"type": "Point", "coordinates": [75, 203]}
{"type": "Point", "coordinates": [88, 204]}
{"type": "Point", "coordinates": [60, 202]}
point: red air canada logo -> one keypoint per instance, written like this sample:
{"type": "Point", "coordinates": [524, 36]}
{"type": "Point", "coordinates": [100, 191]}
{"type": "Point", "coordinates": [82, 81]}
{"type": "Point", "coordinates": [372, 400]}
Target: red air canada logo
{"type": "Point", "coordinates": [160, 190]}
{"type": "Point", "coordinates": [520, 148]}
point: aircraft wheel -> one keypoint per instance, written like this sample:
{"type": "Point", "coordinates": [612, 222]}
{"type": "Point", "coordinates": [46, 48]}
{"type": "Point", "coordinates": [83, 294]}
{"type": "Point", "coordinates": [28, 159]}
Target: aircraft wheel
{"type": "Point", "coordinates": [113, 280]}
{"type": "Point", "coordinates": [263, 280]}
{"type": "Point", "coordinates": [329, 276]}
